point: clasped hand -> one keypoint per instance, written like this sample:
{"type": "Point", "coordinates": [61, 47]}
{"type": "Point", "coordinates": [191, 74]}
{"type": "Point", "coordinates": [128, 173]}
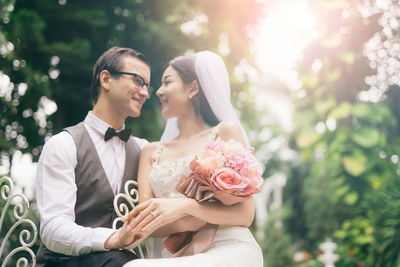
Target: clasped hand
{"type": "Point", "coordinates": [149, 216]}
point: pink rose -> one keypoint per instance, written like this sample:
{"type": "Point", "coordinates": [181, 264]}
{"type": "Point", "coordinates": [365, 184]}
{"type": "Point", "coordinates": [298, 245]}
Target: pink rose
{"type": "Point", "coordinates": [228, 180]}
{"type": "Point", "coordinates": [254, 185]}
{"type": "Point", "coordinates": [230, 188]}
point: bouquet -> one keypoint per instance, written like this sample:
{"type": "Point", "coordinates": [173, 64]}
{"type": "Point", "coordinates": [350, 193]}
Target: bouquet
{"type": "Point", "coordinates": [223, 172]}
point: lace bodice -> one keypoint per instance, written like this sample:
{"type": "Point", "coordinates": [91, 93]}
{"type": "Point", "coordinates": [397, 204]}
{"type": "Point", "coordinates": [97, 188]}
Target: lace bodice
{"type": "Point", "coordinates": [165, 175]}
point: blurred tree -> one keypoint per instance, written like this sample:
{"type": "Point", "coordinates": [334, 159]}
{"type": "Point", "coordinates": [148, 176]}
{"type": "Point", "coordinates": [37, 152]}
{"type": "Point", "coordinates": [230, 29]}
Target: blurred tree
{"type": "Point", "coordinates": [344, 143]}
{"type": "Point", "coordinates": [52, 47]}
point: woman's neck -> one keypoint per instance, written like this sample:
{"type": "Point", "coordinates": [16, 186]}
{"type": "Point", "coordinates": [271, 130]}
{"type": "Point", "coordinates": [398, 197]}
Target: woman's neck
{"type": "Point", "coordinates": [191, 125]}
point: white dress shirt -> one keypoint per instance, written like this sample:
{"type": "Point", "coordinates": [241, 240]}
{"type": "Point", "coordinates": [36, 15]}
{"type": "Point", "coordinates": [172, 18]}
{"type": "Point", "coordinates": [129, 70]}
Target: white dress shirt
{"type": "Point", "coordinates": [56, 188]}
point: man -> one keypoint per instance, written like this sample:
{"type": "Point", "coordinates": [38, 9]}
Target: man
{"type": "Point", "coordinates": [82, 168]}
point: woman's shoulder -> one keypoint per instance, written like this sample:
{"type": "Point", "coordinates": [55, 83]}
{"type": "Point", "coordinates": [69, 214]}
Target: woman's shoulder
{"type": "Point", "coordinates": [150, 148]}
{"type": "Point", "coordinates": [228, 130]}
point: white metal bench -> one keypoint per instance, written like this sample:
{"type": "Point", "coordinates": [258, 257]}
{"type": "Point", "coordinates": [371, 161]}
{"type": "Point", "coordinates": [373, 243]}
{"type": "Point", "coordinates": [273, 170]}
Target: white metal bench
{"type": "Point", "coordinates": [28, 236]}
{"type": "Point", "coordinates": [123, 203]}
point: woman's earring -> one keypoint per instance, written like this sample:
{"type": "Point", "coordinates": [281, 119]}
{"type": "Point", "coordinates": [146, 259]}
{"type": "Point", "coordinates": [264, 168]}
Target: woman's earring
{"type": "Point", "coordinates": [190, 97]}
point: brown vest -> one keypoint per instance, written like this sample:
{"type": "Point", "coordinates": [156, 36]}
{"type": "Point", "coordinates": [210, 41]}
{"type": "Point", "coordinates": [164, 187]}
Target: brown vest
{"type": "Point", "coordinates": [94, 196]}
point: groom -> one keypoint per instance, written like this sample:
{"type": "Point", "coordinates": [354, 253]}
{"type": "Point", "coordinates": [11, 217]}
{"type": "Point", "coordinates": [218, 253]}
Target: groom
{"type": "Point", "coordinates": [82, 168]}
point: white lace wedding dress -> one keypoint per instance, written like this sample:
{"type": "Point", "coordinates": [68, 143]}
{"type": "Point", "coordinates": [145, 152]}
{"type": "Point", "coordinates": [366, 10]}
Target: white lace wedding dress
{"type": "Point", "coordinates": [232, 245]}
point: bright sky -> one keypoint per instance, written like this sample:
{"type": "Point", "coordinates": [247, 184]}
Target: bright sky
{"type": "Point", "coordinates": [283, 34]}
{"type": "Point", "coordinates": [286, 30]}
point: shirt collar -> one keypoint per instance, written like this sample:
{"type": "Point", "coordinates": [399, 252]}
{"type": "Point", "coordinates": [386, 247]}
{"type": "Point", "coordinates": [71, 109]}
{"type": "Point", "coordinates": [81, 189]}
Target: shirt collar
{"type": "Point", "coordinates": [97, 124]}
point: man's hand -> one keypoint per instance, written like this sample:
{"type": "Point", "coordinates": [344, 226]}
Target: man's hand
{"type": "Point", "coordinates": [121, 238]}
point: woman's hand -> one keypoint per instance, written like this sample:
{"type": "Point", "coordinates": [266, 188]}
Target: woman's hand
{"type": "Point", "coordinates": [184, 224]}
{"type": "Point", "coordinates": [157, 212]}
{"type": "Point", "coordinates": [189, 223]}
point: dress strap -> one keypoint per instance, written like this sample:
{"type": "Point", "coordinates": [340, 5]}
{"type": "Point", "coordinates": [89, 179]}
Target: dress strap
{"type": "Point", "coordinates": [214, 132]}
{"type": "Point", "coordinates": [157, 153]}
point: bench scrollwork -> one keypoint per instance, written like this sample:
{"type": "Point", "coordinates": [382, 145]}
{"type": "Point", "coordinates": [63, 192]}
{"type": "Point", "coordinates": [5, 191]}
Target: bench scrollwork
{"type": "Point", "coordinates": [125, 202]}
{"type": "Point", "coordinates": [28, 236]}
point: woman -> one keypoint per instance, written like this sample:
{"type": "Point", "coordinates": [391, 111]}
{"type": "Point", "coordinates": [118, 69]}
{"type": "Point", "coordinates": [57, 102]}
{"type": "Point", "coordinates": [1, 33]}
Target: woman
{"type": "Point", "coordinates": [195, 96]}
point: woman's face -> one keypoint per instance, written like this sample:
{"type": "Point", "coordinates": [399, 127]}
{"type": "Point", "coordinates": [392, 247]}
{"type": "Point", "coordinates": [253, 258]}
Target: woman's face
{"type": "Point", "coordinates": [173, 94]}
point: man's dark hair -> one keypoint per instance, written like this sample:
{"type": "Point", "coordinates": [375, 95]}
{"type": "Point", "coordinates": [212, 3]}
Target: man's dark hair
{"type": "Point", "coordinates": [111, 61]}
{"type": "Point", "coordinates": [185, 67]}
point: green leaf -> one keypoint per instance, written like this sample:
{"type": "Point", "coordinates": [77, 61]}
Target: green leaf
{"type": "Point", "coordinates": [341, 111]}
{"type": "Point", "coordinates": [304, 118]}
{"type": "Point", "coordinates": [351, 198]}
{"type": "Point", "coordinates": [340, 192]}
{"type": "Point", "coordinates": [340, 234]}
{"type": "Point", "coordinates": [354, 231]}
{"type": "Point", "coordinates": [376, 184]}
{"type": "Point", "coordinates": [362, 110]}
{"type": "Point", "coordinates": [306, 138]}
{"type": "Point", "coordinates": [364, 239]}
{"type": "Point", "coordinates": [355, 164]}
{"type": "Point", "coordinates": [346, 225]}
{"type": "Point", "coordinates": [369, 229]}
{"type": "Point", "coordinates": [323, 106]}
{"type": "Point", "coordinates": [366, 137]}
{"type": "Point", "coordinates": [383, 114]}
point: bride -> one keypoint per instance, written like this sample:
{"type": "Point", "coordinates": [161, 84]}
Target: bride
{"type": "Point", "coordinates": [195, 96]}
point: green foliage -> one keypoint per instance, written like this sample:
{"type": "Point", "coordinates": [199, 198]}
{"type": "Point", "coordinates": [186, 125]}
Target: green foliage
{"type": "Point", "coordinates": [66, 38]}
{"type": "Point", "coordinates": [387, 221]}
{"type": "Point", "coordinates": [343, 145]}
{"type": "Point", "coordinates": [276, 245]}
{"type": "Point", "coordinates": [357, 238]}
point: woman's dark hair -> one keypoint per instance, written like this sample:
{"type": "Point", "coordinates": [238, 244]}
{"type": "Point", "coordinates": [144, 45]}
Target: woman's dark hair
{"type": "Point", "coordinates": [111, 61]}
{"type": "Point", "coordinates": [185, 67]}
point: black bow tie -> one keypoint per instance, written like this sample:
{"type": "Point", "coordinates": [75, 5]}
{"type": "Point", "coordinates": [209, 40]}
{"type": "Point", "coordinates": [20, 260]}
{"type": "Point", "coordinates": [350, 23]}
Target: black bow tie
{"type": "Point", "coordinates": [123, 135]}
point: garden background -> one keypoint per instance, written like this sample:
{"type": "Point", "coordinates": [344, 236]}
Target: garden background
{"type": "Point", "coordinates": [315, 82]}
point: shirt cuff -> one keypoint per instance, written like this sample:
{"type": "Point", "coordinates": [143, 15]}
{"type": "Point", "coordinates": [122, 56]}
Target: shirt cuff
{"type": "Point", "coordinates": [100, 238]}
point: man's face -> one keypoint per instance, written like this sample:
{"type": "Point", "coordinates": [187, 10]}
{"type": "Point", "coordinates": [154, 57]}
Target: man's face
{"type": "Point", "coordinates": [126, 95]}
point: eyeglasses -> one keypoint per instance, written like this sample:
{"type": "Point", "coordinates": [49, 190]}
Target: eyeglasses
{"type": "Point", "coordinates": [138, 80]}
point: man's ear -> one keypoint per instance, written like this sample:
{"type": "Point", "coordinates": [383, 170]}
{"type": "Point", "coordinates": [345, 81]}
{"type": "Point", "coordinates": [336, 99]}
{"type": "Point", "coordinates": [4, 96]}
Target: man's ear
{"type": "Point", "coordinates": [194, 89]}
{"type": "Point", "coordinates": [105, 78]}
